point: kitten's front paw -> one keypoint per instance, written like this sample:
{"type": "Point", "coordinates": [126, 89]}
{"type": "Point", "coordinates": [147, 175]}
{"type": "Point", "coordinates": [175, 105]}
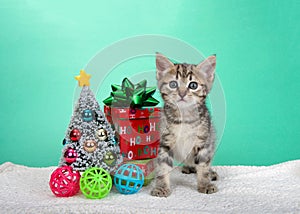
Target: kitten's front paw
{"type": "Point", "coordinates": [161, 192]}
{"type": "Point", "coordinates": [207, 189]}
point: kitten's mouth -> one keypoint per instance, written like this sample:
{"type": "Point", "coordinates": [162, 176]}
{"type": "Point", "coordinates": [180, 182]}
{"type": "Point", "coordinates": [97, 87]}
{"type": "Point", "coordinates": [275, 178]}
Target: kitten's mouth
{"type": "Point", "coordinates": [181, 100]}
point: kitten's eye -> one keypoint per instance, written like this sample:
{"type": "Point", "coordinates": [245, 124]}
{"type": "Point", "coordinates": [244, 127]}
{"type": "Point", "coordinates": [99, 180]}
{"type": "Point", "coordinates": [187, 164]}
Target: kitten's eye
{"type": "Point", "coordinates": [193, 85]}
{"type": "Point", "coordinates": [173, 84]}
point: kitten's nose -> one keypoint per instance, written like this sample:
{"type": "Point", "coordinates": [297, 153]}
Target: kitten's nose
{"type": "Point", "coordinates": [182, 93]}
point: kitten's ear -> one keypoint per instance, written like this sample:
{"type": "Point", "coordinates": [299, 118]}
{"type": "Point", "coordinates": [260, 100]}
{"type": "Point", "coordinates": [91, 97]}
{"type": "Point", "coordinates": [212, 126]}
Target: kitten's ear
{"type": "Point", "coordinates": [208, 67]}
{"type": "Point", "coordinates": [162, 64]}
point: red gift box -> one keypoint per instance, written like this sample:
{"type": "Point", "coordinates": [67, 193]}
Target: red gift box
{"type": "Point", "coordinates": [137, 130]}
{"type": "Point", "coordinates": [147, 166]}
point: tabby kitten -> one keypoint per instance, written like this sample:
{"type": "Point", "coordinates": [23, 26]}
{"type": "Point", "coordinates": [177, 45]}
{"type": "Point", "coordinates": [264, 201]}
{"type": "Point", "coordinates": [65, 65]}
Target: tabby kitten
{"type": "Point", "coordinates": [187, 133]}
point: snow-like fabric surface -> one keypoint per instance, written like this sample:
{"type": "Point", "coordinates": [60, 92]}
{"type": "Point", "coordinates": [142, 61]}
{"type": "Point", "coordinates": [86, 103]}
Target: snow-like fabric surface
{"type": "Point", "coordinates": [242, 189]}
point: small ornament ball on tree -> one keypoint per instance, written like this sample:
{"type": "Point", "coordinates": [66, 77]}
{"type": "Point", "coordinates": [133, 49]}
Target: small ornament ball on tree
{"type": "Point", "coordinates": [89, 140]}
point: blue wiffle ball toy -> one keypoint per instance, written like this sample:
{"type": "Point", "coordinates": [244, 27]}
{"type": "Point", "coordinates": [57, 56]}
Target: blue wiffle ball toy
{"type": "Point", "coordinates": [129, 179]}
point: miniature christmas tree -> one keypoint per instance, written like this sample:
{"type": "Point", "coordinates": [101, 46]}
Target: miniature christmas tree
{"type": "Point", "coordinates": [90, 140]}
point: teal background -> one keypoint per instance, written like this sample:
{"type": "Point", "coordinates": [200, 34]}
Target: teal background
{"type": "Point", "coordinates": [45, 44]}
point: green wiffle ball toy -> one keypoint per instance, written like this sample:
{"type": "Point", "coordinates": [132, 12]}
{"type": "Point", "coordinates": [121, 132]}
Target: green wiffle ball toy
{"type": "Point", "coordinates": [95, 183]}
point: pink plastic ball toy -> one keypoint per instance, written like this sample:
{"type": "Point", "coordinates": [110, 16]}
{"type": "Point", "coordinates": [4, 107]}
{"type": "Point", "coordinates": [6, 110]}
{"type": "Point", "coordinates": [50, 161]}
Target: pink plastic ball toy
{"type": "Point", "coordinates": [64, 182]}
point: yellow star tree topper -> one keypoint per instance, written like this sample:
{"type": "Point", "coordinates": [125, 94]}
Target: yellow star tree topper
{"type": "Point", "coordinates": [83, 79]}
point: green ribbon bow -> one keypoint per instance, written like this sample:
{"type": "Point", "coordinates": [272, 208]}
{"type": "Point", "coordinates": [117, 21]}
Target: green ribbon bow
{"type": "Point", "coordinates": [128, 94]}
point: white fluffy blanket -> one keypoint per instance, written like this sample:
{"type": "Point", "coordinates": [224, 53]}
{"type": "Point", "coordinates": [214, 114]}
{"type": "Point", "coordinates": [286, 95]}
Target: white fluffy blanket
{"type": "Point", "coordinates": [242, 189]}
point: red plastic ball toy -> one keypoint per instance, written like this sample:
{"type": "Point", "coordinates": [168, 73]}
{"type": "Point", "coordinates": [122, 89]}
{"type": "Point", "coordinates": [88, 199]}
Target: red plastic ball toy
{"type": "Point", "coordinates": [64, 182]}
{"type": "Point", "coordinates": [70, 155]}
{"type": "Point", "coordinates": [75, 135]}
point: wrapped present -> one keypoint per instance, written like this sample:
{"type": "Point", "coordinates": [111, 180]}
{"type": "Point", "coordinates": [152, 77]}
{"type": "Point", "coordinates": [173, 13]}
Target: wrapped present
{"type": "Point", "coordinates": [149, 178]}
{"type": "Point", "coordinates": [147, 165]}
{"type": "Point", "coordinates": [136, 124]}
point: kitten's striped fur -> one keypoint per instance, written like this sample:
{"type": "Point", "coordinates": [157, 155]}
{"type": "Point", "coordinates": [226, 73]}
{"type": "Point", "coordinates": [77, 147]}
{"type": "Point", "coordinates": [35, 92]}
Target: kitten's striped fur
{"type": "Point", "coordinates": [187, 133]}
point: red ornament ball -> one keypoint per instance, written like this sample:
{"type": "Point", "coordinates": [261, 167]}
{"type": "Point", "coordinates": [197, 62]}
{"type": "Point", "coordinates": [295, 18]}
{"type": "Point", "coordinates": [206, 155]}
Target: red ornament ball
{"type": "Point", "coordinates": [75, 135]}
{"type": "Point", "coordinates": [64, 182]}
{"type": "Point", "coordinates": [70, 155]}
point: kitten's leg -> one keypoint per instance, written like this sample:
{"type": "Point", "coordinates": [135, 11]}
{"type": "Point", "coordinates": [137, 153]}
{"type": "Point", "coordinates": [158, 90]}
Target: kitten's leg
{"type": "Point", "coordinates": [205, 174]}
{"type": "Point", "coordinates": [213, 175]}
{"type": "Point", "coordinates": [188, 169]}
{"type": "Point", "coordinates": [204, 179]}
{"type": "Point", "coordinates": [163, 168]}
